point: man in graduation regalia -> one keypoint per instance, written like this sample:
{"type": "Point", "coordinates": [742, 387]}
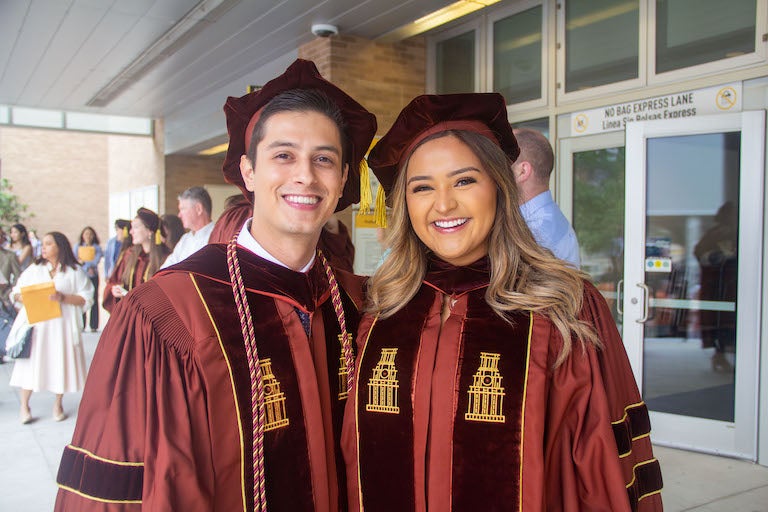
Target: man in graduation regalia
{"type": "Point", "coordinates": [220, 383]}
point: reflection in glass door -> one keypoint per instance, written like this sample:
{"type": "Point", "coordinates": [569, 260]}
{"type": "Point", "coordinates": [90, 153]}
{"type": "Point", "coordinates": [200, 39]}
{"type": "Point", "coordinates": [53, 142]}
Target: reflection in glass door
{"type": "Point", "coordinates": [691, 269]}
{"type": "Point", "coordinates": [598, 219]}
{"type": "Point", "coordinates": [592, 177]}
{"type": "Point", "coordinates": [691, 300]}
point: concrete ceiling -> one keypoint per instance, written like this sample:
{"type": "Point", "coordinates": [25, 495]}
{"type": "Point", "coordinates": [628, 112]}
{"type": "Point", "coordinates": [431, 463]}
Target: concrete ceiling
{"type": "Point", "coordinates": [81, 55]}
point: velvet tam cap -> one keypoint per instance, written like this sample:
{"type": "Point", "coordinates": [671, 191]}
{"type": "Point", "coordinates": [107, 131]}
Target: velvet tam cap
{"type": "Point", "coordinates": [242, 114]}
{"type": "Point", "coordinates": [149, 218]}
{"type": "Point", "coordinates": [425, 115]}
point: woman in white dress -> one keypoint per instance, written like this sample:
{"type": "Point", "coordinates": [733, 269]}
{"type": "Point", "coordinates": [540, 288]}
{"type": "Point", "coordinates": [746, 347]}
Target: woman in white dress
{"type": "Point", "coordinates": [57, 361]}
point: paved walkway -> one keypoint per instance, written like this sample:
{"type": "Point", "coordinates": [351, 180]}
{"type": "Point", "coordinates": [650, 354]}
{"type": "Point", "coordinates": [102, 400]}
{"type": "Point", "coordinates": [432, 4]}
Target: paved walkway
{"type": "Point", "coordinates": [31, 453]}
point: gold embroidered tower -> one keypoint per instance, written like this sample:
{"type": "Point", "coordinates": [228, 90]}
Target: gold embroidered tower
{"type": "Point", "coordinates": [343, 373]}
{"type": "Point", "coordinates": [486, 395]}
{"type": "Point", "coordinates": [383, 385]}
{"type": "Point", "coordinates": [274, 399]}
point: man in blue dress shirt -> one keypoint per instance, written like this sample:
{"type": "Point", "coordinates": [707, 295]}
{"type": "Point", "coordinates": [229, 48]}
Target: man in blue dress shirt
{"type": "Point", "coordinates": [114, 244]}
{"type": "Point", "coordinates": [532, 170]}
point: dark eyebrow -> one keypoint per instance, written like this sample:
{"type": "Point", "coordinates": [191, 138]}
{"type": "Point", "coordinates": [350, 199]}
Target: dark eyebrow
{"type": "Point", "coordinates": [332, 149]}
{"type": "Point", "coordinates": [286, 144]}
{"type": "Point", "coordinates": [450, 174]}
{"type": "Point", "coordinates": [281, 143]}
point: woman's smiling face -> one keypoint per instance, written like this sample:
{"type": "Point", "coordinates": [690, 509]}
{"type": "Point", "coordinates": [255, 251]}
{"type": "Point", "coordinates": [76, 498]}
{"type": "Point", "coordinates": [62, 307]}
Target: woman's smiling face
{"type": "Point", "coordinates": [451, 200]}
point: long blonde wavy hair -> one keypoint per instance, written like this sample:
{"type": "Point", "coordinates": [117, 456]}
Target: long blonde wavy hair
{"type": "Point", "coordinates": [524, 277]}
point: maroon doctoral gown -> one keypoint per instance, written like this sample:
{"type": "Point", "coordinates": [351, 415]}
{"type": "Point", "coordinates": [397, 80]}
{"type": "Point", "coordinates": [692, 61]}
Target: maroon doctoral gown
{"type": "Point", "coordinates": [138, 276]}
{"type": "Point", "coordinates": [165, 421]}
{"type": "Point", "coordinates": [471, 415]}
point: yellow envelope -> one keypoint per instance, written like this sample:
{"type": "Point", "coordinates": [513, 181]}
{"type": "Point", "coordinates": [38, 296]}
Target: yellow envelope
{"type": "Point", "coordinates": [86, 253]}
{"type": "Point", "coordinates": [37, 301]}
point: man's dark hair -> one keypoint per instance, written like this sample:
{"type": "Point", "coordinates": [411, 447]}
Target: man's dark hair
{"type": "Point", "coordinates": [300, 100]}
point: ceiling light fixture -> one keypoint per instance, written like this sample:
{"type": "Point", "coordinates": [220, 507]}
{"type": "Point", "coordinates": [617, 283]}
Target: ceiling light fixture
{"type": "Point", "coordinates": [199, 17]}
{"type": "Point", "coordinates": [435, 19]}
{"type": "Point", "coordinates": [214, 150]}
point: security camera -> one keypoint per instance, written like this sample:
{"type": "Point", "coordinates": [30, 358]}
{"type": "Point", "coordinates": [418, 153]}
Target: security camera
{"type": "Point", "coordinates": [323, 30]}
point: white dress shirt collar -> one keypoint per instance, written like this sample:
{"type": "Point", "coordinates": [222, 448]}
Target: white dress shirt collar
{"type": "Point", "coordinates": [245, 238]}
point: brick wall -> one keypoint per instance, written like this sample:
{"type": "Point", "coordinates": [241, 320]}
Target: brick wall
{"type": "Point", "coordinates": [383, 77]}
{"type": "Point", "coordinates": [184, 171]}
{"type": "Point", "coordinates": [65, 177]}
{"type": "Point", "coordinates": [60, 176]}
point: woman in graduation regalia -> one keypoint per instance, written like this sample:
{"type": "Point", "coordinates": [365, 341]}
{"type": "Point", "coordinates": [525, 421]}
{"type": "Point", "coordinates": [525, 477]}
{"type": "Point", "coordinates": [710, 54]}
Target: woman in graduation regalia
{"type": "Point", "coordinates": [139, 262]}
{"type": "Point", "coordinates": [490, 375]}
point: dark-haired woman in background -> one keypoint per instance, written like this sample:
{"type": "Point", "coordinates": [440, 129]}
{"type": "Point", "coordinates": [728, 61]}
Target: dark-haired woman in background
{"type": "Point", "coordinates": [57, 361]}
{"type": "Point", "coordinates": [21, 245]}
{"type": "Point", "coordinates": [174, 229]}
{"type": "Point", "coordinates": [88, 253]}
{"type": "Point", "coordinates": [139, 262]}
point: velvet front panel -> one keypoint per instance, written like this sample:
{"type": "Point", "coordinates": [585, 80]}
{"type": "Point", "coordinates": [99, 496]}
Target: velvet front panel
{"type": "Point", "coordinates": [487, 454]}
{"type": "Point", "coordinates": [386, 438]}
{"type": "Point", "coordinates": [338, 385]}
{"type": "Point", "coordinates": [285, 448]}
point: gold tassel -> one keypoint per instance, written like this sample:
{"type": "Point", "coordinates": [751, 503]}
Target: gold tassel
{"type": "Point", "coordinates": [125, 232]}
{"type": "Point", "coordinates": [158, 237]}
{"type": "Point", "coordinates": [380, 212]}
{"type": "Point", "coordinates": [365, 187]}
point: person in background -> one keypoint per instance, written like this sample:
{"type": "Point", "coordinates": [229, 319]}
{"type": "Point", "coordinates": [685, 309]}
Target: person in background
{"type": "Point", "coordinates": [115, 245]}
{"type": "Point", "coordinates": [532, 171]}
{"type": "Point", "coordinates": [9, 269]}
{"type": "Point", "coordinates": [237, 209]}
{"type": "Point", "coordinates": [138, 263]}
{"type": "Point", "coordinates": [490, 373]}
{"type": "Point", "coordinates": [9, 273]}
{"type": "Point", "coordinates": [195, 215]}
{"type": "Point", "coordinates": [20, 245]}
{"type": "Point", "coordinates": [228, 372]}
{"type": "Point", "coordinates": [88, 253]}
{"type": "Point", "coordinates": [57, 360]}
{"type": "Point", "coordinates": [37, 244]}
{"type": "Point", "coordinates": [174, 229]}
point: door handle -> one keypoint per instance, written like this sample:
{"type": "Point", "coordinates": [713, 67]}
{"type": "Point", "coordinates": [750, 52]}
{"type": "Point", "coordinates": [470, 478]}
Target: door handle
{"type": "Point", "coordinates": [646, 295]}
{"type": "Point", "coordinates": [619, 289]}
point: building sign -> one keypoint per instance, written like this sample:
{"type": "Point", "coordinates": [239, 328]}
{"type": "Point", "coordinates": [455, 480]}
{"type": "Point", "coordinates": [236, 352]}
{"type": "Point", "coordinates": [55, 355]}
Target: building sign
{"type": "Point", "coordinates": [712, 100]}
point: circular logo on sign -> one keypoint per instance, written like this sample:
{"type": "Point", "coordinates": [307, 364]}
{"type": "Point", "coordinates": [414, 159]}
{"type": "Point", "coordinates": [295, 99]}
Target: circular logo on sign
{"type": "Point", "coordinates": [726, 98]}
{"type": "Point", "coordinates": [580, 123]}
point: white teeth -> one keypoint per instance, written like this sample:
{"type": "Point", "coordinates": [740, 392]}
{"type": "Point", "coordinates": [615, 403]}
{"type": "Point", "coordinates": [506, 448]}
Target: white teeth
{"type": "Point", "coordinates": [445, 224]}
{"type": "Point", "coordinates": [302, 199]}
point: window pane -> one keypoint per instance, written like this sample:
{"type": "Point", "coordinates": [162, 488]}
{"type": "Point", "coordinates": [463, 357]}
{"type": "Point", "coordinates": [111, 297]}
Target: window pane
{"type": "Point", "coordinates": [112, 124]}
{"type": "Point", "coordinates": [690, 32]}
{"type": "Point", "coordinates": [456, 64]}
{"type": "Point", "coordinates": [601, 42]}
{"type": "Point", "coordinates": [517, 56]}
{"type": "Point", "coordinates": [37, 117]}
{"type": "Point", "coordinates": [541, 125]}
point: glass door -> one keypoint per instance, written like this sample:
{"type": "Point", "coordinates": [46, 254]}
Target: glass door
{"type": "Point", "coordinates": [591, 195]}
{"type": "Point", "coordinates": [692, 273]}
